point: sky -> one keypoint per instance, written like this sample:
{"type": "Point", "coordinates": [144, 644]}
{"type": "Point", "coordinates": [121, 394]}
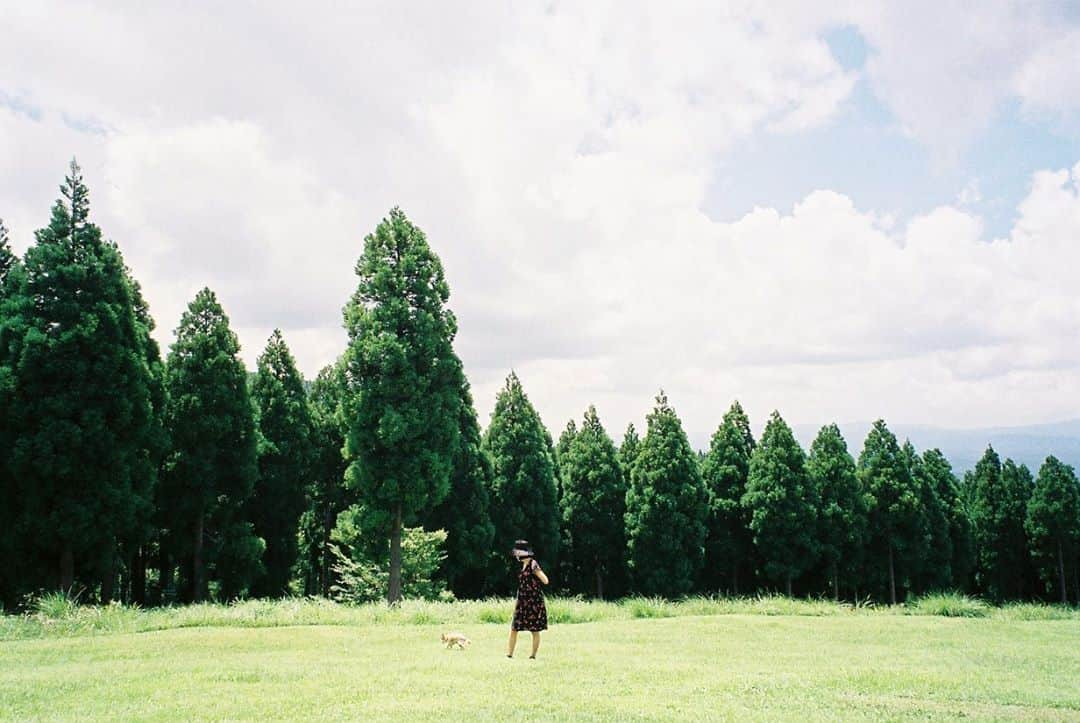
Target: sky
{"type": "Point", "coordinates": [865, 210]}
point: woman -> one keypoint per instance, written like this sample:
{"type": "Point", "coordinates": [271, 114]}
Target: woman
{"type": "Point", "coordinates": [530, 613]}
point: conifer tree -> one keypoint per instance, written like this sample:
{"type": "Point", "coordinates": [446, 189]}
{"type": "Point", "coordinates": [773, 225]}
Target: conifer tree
{"type": "Point", "coordinates": [565, 440]}
{"type": "Point", "coordinates": [666, 509]}
{"type": "Point", "coordinates": [725, 468]}
{"type": "Point", "coordinates": [782, 504]}
{"type": "Point", "coordinates": [1020, 483]}
{"type": "Point", "coordinates": [628, 450]}
{"type": "Point", "coordinates": [895, 510]}
{"type": "Point", "coordinates": [564, 573]}
{"type": "Point", "coordinates": [842, 508]}
{"type": "Point", "coordinates": [137, 541]}
{"type": "Point", "coordinates": [592, 505]}
{"type": "Point", "coordinates": [1053, 523]}
{"type": "Point", "coordinates": [10, 278]}
{"type": "Point", "coordinates": [940, 477]}
{"type": "Point", "coordinates": [79, 405]}
{"type": "Point", "coordinates": [465, 513]}
{"type": "Point", "coordinates": [523, 494]}
{"type": "Point", "coordinates": [8, 260]}
{"type": "Point", "coordinates": [285, 458]}
{"type": "Point", "coordinates": [403, 404]}
{"type": "Point", "coordinates": [998, 510]}
{"type": "Point", "coordinates": [932, 554]}
{"type": "Point", "coordinates": [211, 470]}
{"type": "Point", "coordinates": [326, 496]}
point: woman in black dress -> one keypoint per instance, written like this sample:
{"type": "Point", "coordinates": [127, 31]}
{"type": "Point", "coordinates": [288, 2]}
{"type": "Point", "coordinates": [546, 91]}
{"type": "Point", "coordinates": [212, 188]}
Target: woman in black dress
{"type": "Point", "coordinates": [530, 613]}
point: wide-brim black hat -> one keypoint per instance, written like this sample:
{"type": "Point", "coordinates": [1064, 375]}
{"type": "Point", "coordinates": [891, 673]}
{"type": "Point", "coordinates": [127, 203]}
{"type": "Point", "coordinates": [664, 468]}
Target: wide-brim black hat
{"type": "Point", "coordinates": [522, 546]}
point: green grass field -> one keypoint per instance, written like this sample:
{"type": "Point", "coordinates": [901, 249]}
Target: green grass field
{"type": "Point", "coordinates": [823, 662]}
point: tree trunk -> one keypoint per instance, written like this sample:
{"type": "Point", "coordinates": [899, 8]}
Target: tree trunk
{"type": "Point", "coordinates": [1061, 571]}
{"type": "Point", "coordinates": [138, 576]}
{"type": "Point", "coordinates": [789, 585]}
{"type": "Point", "coordinates": [197, 561]}
{"type": "Point", "coordinates": [67, 569]}
{"type": "Point", "coordinates": [165, 575]}
{"type": "Point", "coordinates": [393, 594]}
{"type": "Point", "coordinates": [599, 583]}
{"type": "Point", "coordinates": [836, 582]}
{"type": "Point", "coordinates": [892, 577]}
{"type": "Point", "coordinates": [328, 528]}
{"type": "Point", "coordinates": [1076, 580]}
{"type": "Point", "coordinates": [108, 581]}
{"type": "Point", "coordinates": [735, 578]}
{"type": "Point", "coordinates": [125, 576]}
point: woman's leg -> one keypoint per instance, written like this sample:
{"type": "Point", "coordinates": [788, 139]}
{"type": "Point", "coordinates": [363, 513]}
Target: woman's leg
{"type": "Point", "coordinates": [536, 644]}
{"type": "Point", "coordinates": [511, 643]}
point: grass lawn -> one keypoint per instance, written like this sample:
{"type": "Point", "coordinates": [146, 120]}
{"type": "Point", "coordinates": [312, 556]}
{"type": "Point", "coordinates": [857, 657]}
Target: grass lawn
{"type": "Point", "coordinates": [696, 667]}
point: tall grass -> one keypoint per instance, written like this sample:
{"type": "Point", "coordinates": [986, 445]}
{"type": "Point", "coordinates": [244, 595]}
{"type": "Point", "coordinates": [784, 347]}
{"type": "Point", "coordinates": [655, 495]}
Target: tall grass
{"type": "Point", "coordinates": [951, 605]}
{"type": "Point", "coordinates": [55, 615]}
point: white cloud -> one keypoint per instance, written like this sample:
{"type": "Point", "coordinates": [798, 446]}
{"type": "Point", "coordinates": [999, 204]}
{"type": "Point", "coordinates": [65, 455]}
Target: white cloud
{"type": "Point", "coordinates": [1048, 81]}
{"type": "Point", "coordinates": [557, 157]}
{"type": "Point", "coordinates": [945, 68]}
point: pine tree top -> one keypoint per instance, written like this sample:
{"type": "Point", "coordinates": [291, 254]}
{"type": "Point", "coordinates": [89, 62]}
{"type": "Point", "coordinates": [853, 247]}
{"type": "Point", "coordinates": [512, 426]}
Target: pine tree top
{"type": "Point", "coordinates": [78, 196]}
{"type": "Point", "coordinates": [830, 448]}
{"type": "Point", "coordinates": [8, 259]}
{"type": "Point", "coordinates": [880, 448]}
{"type": "Point", "coordinates": [205, 318]}
{"type": "Point", "coordinates": [591, 422]}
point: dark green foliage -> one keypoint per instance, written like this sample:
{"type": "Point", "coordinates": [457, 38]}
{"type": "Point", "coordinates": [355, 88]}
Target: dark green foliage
{"type": "Point", "coordinates": [10, 279]}
{"type": "Point", "coordinates": [592, 506]}
{"type": "Point", "coordinates": [465, 514]}
{"type": "Point", "coordinates": [79, 399]}
{"type": "Point", "coordinates": [895, 511]}
{"type": "Point", "coordinates": [326, 496]}
{"type": "Point", "coordinates": [136, 542]}
{"type": "Point", "coordinates": [782, 504]}
{"type": "Point", "coordinates": [724, 469]}
{"type": "Point", "coordinates": [285, 459]}
{"type": "Point", "coordinates": [403, 400]}
{"type": "Point", "coordinates": [933, 569]}
{"type": "Point", "coordinates": [565, 440]}
{"type": "Point", "coordinates": [523, 495]}
{"type": "Point", "coordinates": [8, 260]}
{"type": "Point", "coordinates": [558, 452]}
{"type": "Point", "coordinates": [628, 450]}
{"type": "Point", "coordinates": [1000, 495]}
{"type": "Point", "coordinates": [940, 477]}
{"type": "Point", "coordinates": [666, 509]}
{"type": "Point", "coordinates": [1053, 524]}
{"type": "Point", "coordinates": [211, 470]}
{"type": "Point", "coordinates": [1021, 485]}
{"type": "Point", "coordinates": [842, 508]}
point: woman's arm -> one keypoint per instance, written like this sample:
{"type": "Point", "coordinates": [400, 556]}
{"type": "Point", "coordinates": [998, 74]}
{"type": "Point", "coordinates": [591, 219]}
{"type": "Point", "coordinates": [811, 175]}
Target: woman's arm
{"type": "Point", "coordinates": [539, 573]}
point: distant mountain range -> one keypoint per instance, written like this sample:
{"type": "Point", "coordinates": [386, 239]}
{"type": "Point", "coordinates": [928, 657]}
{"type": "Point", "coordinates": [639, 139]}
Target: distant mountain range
{"type": "Point", "coordinates": [1028, 445]}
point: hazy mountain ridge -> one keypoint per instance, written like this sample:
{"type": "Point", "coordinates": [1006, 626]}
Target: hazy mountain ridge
{"type": "Point", "coordinates": [1029, 445]}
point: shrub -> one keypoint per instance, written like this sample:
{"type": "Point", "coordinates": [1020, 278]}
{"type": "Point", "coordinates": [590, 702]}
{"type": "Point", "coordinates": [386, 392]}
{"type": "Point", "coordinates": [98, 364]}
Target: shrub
{"type": "Point", "coordinates": [363, 579]}
{"type": "Point", "coordinates": [951, 605]}
{"type": "Point", "coordinates": [56, 606]}
{"type": "Point", "coordinates": [649, 607]}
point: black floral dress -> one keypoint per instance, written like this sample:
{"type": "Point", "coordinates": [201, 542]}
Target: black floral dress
{"type": "Point", "coordinates": [530, 613]}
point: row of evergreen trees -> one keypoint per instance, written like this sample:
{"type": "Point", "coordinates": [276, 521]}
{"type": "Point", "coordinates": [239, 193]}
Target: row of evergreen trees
{"type": "Point", "coordinates": [126, 475]}
{"type": "Point", "coordinates": [749, 515]}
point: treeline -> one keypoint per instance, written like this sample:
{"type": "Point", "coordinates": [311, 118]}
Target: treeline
{"type": "Point", "coordinates": [128, 476]}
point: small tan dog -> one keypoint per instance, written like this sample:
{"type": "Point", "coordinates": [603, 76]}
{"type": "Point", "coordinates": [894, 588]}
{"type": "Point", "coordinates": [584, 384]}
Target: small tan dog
{"type": "Point", "coordinates": [458, 639]}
